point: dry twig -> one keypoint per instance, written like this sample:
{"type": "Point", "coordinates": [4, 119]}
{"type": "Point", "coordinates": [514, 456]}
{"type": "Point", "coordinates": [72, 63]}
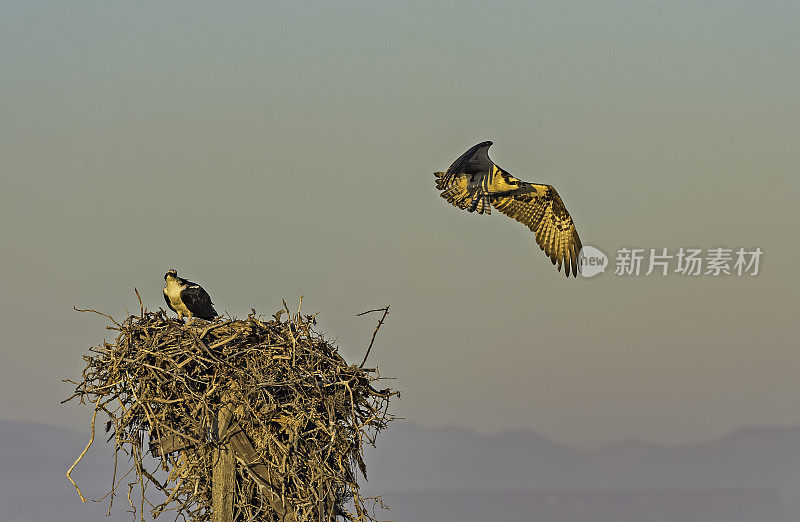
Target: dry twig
{"type": "Point", "coordinates": [385, 310]}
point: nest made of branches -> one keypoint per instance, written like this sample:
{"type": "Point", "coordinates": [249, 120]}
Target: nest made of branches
{"type": "Point", "coordinates": [302, 415]}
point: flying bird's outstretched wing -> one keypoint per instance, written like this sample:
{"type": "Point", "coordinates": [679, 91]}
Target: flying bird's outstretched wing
{"type": "Point", "coordinates": [474, 183]}
{"type": "Point", "coordinates": [539, 207]}
{"type": "Point", "coordinates": [461, 183]}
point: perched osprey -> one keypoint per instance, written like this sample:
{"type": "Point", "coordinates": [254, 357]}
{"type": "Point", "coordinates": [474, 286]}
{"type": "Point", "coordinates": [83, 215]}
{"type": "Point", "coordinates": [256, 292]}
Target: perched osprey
{"type": "Point", "coordinates": [474, 183]}
{"type": "Point", "coordinates": [186, 298]}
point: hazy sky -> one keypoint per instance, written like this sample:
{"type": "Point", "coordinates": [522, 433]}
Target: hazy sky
{"type": "Point", "coordinates": [268, 150]}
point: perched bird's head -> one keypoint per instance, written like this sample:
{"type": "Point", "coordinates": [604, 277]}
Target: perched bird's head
{"type": "Point", "coordinates": [171, 273]}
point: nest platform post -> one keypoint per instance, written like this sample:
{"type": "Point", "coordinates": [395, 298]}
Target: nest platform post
{"type": "Point", "coordinates": [223, 479]}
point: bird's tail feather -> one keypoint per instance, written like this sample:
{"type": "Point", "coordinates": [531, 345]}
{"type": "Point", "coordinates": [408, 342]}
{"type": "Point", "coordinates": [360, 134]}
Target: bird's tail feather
{"type": "Point", "coordinates": [480, 204]}
{"type": "Point", "coordinates": [440, 180]}
{"type": "Point", "coordinates": [459, 195]}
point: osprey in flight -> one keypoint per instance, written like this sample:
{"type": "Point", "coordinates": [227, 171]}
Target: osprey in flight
{"type": "Point", "coordinates": [187, 299]}
{"type": "Point", "coordinates": [474, 183]}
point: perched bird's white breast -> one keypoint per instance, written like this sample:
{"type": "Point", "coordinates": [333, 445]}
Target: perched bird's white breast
{"type": "Point", "coordinates": [173, 292]}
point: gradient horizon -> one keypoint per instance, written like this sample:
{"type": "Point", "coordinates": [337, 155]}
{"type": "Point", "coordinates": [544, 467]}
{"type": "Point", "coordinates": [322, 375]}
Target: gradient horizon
{"type": "Point", "coordinates": [274, 150]}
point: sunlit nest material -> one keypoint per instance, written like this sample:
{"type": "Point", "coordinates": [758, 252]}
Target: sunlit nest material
{"type": "Point", "coordinates": [274, 394]}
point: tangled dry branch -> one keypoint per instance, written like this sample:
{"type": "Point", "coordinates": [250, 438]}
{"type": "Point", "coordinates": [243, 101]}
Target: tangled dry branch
{"type": "Point", "coordinates": [294, 413]}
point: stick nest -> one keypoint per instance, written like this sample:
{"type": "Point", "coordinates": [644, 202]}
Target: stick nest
{"type": "Point", "coordinates": [278, 386]}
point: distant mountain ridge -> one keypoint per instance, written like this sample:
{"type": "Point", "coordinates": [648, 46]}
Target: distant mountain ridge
{"type": "Point", "coordinates": [412, 458]}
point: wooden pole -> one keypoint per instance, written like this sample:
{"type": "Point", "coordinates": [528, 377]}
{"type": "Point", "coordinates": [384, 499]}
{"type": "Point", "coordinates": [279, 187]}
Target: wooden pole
{"type": "Point", "coordinates": [224, 472]}
{"type": "Point", "coordinates": [232, 442]}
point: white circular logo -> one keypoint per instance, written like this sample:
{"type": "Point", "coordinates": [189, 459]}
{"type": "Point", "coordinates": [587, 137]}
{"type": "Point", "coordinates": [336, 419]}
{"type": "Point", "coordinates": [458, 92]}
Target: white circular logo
{"type": "Point", "coordinates": [591, 261]}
